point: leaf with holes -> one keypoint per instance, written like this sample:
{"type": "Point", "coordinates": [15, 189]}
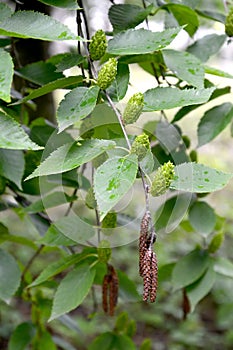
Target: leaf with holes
{"type": "Point", "coordinates": [71, 155]}
{"type": "Point", "coordinates": [112, 180]}
{"type": "Point", "coordinates": [140, 41]}
{"type": "Point", "coordinates": [76, 105]}
{"type": "Point", "coordinates": [193, 177]}
{"type": "Point", "coordinates": [72, 290]}
{"type": "Point", "coordinates": [185, 66]}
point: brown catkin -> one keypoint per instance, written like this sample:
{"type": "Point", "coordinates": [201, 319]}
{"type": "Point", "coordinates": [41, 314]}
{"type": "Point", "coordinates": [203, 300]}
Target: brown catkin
{"type": "Point", "coordinates": [143, 240]}
{"type": "Point", "coordinates": [110, 291]}
{"type": "Point", "coordinates": [154, 277]}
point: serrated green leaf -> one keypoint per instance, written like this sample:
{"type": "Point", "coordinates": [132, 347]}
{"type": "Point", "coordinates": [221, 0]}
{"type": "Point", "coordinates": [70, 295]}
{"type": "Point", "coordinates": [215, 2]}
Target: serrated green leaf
{"type": "Point", "coordinates": [76, 105]}
{"type": "Point", "coordinates": [112, 180]}
{"type": "Point", "coordinates": [199, 289]}
{"type": "Point", "coordinates": [9, 275]}
{"type": "Point", "coordinates": [185, 66]}
{"type": "Point", "coordinates": [213, 122]}
{"type": "Point", "coordinates": [72, 290]}
{"type": "Point", "coordinates": [47, 88]}
{"type": "Point", "coordinates": [193, 177]}
{"type": "Point", "coordinates": [125, 16]}
{"type": "Point", "coordinates": [35, 25]}
{"type": "Point", "coordinates": [67, 4]}
{"type": "Point", "coordinates": [217, 72]}
{"type": "Point", "coordinates": [6, 75]}
{"type": "Point", "coordinates": [6, 237]}
{"type": "Point", "coordinates": [202, 217]}
{"type": "Point", "coordinates": [61, 265]}
{"type": "Point", "coordinates": [21, 336]}
{"type": "Point", "coordinates": [207, 46]}
{"type": "Point", "coordinates": [190, 268]}
{"type": "Point", "coordinates": [165, 98]}
{"type": "Point", "coordinates": [184, 16]}
{"type": "Point", "coordinates": [5, 11]}
{"type": "Point", "coordinates": [12, 166]}
{"type": "Point", "coordinates": [185, 110]}
{"type": "Point", "coordinates": [223, 266]}
{"type": "Point", "coordinates": [40, 73]}
{"type": "Point", "coordinates": [50, 201]}
{"type": "Point", "coordinates": [112, 341]}
{"type": "Point", "coordinates": [45, 342]}
{"type": "Point", "coordinates": [12, 136]}
{"type": "Point", "coordinates": [118, 88]}
{"type": "Point", "coordinates": [140, 41]}
{"type": "Point", "coordinates": [168, 136]}
{"type": "Point", "coordinates": [71, 155]}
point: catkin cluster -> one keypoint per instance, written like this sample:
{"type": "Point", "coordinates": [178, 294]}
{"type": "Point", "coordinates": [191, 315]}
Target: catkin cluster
{"type": "Point", "coordinates": [148, 266]}
{"type": "Point", "coordinates": [110, 291]}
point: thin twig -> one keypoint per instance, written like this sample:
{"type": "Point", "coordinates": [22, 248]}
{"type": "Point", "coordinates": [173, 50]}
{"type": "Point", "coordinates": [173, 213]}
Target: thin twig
{"type": "Point", "coordinates": [30, 262]}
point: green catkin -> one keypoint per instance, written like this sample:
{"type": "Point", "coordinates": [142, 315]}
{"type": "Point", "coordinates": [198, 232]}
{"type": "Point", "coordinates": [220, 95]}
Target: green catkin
{"type": "Point", "coordinates": [140, 146]}
{"type": "Point", "coordinates": [104, 251]}
{"type": "Point", "coordinates": [107, 73]}
{"type": "Point", "coordinates": [229, 23]}
{"type": "Point", "coordinates": [162, 179]}
{"type": "Point", "coordinates": [133, 108]}
{"type": "Point", "coordinates": [98, 45]}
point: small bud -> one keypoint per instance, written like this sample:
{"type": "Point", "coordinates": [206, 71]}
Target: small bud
{"type": "Point", "coordinates": [110, 220]}
{"type": "Point", "coordinates": [107, 73]}
{"type": "Point", "coordinates": [162, 179]}
{"type": "Point", "coordinates": [133, 108]}
{"type": "Point", "coordinates": [98, 45]}
{"type": "Point", "coordinates": [90, 199]}
{"type": "Point", "coordinates": [140, 146]}
{"type": "Point", "coordinates": [186, 141]}
{"type": "Point", "coordinates": [146, 345]}
{"type": "Point", "coordinates": [193, 156]}
{"type": "Point", "coordinates": [229, 23]}
{"type": "Point", "coordinates": [216, 242]}
{"type": "Point", "coordinates": [104, 251]}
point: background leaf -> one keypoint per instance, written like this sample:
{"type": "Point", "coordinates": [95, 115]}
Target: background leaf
{"type": "Point", "coordinates": [50, 201]}
{"type": "Point", "coordinates": [53, 85]}
{"type": "Point", "coordinates": [213, 122]}
{"type": "Point", "coordinates": [189, 268]}
{"type": "Point", "coordinates": [199, 289]}
{"type": "Point", "coordinates": [193, 177]}
{"type": "Point", "coordinates": [185, 66]}
{"type": "Point", "coordinates": [71, 155]}
{"type": "Point", "coordinates": [40, 73]}
{"type": "Point", "coordinates": [112, 341]}
{"type": "Point", "coordinates": [112, 180]}
{"type": "Point", "coordinates": [6, 75]}
{"type": "Point", "coordinates": [21, 336]}
{"type": "Point", "coordinates": [30, 24]}
{"type": "Point", "coordinates": [75, 228]}
{"type": "Point", "coordinates": [76, 105]}
{"type": "Point", "coordinates": [12, 166]}
{"type": "Point", "coordinates": [12, 136]}
{"type": "Point", "coordinates": [72, 290]}
{"type": "Point", "coordinates": [67, 4]}
{"type": "Point", "coordinates": [118, 88]}
{"type": "Point", "coordinates": [202, 217]}
{"type": "Point", "coordinates": [165, 98]}
{"type": "Point", "coordinates": [125, 16]}
{"type": "Point", "coordinates": [9, 275]}
{"type": "Point", "coordinates": [224, 267]}
{"type": "Point", "coordinates": [184, 16]}
{"type": "Point", "coordinates": [140, 41]}
{"type": "Point", "coordinates": [207, 46]}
